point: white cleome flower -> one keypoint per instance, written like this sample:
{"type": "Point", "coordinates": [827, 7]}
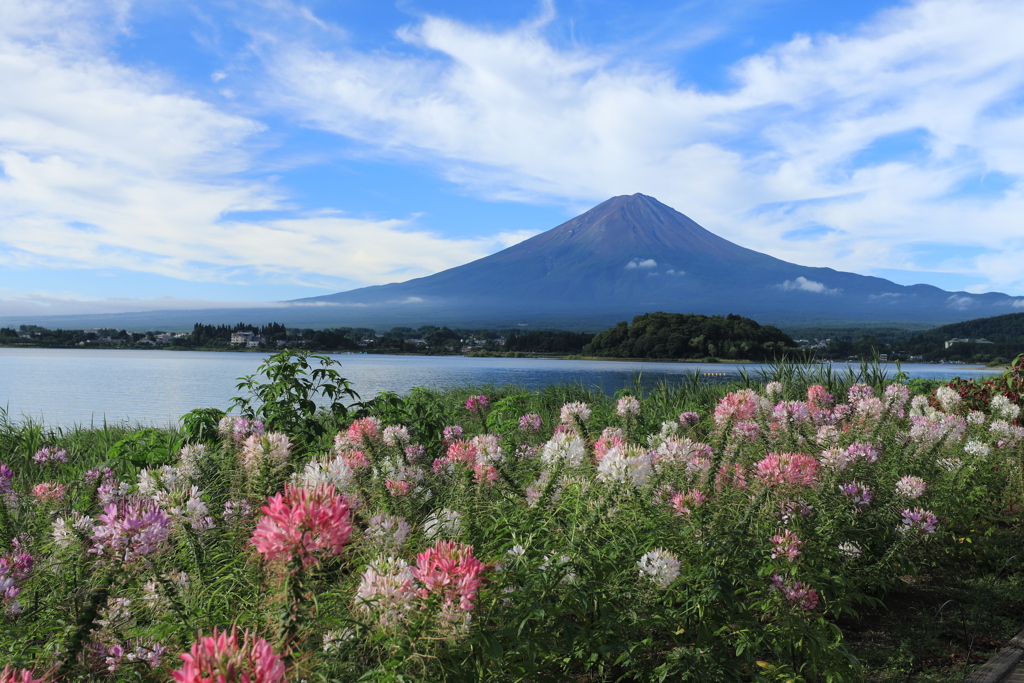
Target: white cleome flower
{"type": "Point", "coordinates": [660, 566]}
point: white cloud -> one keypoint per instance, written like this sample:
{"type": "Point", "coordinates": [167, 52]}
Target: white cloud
{"type": "Point", "coordinates": [507, 114]}
{"type": "Point", "coordinates": [802, 284]}
{"type": "Point", "coordinates": [105, 166]}
{"type": "Point", "coordinates": [960, 303]}
{"type": "Point", "coordinates": [641, 263]}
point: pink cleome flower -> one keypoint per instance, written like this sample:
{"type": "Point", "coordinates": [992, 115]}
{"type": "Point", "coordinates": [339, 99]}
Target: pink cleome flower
{"type": "Point", "coordinates": [627, 406]}
{"type": "Point", "coordinates": [220, 658]}
{"type": "Point", "coordinates": [609, 439]}
{"type": "Point", "coordinates": [819, 398]}
{"type": "Point", "coordinates": [796, 593]}
{"type": "Point", "coordinates": [398, 487]}
{"type": "Point", "coordinates": [359, 432]}
{"type": "Point", "coordinates": [787, 469]}
{"type": "Point", "coordinates": [688, 419]}
{"type": "Point", "coordinates": [477, 404]}
{"type": "Point", "coordinates": [12, 675]}
{"type": "Point", "coordinates": [787, 545]}
{"type": "Point", "coordinates": [739, 405]}
{"type": "Point", "coordinates": [530, 423]}
{"type": "Point", "coordinates": [683, 502]}
{"type": "Point", "coordinates": [450, 572]}
{"type": "Point", "coordinates": [302, 523]}
{"type": "Point", "coordinates": [49, 492]}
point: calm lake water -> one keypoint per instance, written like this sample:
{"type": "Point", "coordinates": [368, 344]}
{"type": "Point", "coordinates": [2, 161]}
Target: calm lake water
{"type": "Point", "coordinates": [156, 387]}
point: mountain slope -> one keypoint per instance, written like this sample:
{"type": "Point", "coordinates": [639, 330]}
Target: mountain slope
{"type": "Point", "coordinates": [631, 255]}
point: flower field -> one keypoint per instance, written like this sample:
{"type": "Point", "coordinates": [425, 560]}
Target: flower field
{"type": "Point", "coordinates": [685, 533]}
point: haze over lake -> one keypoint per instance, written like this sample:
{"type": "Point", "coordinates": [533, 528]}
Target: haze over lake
{"type": "Point", "coordinates": [86, 386]}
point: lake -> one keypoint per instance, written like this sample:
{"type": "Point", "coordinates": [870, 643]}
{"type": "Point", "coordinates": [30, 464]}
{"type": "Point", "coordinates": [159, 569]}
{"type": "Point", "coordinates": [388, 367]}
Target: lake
{"type": "Point", "coordinates": [156, 387]}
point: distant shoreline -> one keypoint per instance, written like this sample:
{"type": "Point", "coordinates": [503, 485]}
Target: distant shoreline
{"type": "Point", "coordinates": [568, 357]}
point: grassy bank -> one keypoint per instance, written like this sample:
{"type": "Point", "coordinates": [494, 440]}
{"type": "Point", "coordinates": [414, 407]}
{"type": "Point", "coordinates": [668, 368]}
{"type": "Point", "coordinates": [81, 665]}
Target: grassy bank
{"type": "Point", "coordinates": [804, 525]}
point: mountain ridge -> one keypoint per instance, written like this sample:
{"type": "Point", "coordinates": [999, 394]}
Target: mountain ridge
{"type": "Point", "coordinates": [631, 254]}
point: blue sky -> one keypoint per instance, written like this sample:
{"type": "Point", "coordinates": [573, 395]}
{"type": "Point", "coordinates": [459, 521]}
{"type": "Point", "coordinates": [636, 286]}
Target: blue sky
{"type": "Point", "coordinates": [159, 154]}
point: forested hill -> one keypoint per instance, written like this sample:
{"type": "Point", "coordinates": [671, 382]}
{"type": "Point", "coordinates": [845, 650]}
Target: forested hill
{"type": "Point", "coordinates": [680, 335]}
{"type": "Point", "coordinates": [982, 340]}
{"type": "Point", "coordinates": [998, 329]}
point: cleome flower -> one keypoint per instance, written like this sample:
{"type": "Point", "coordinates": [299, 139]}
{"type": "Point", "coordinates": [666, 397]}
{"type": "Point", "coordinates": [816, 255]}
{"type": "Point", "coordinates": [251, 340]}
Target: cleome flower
{"type": "Point", "coordinates": [477, 404]}
{"type": "Point", "coordinates": [302, 525]}
{"type": "Point", "coordinates": [922, 521]}
{"type": "Point", "coordinates": [572, 411]}
{"type": "Point", "coordinates": [221, 658]}
{"type": "Point", "coordinates": [130, 530]}
{"type": "Point", "coordinates": [911, 487]}
{"type": "Point", "coordinates": [386, 590]}
{"type": "Point", "coordinates": [564, 448]}
{"type": "Point", "coordinates": [49, 454]}
{"type": "Point", "coordinates": [795, 593]}
{"type": "Point", "coordinates": [786, 544]}
{"type": "Point", "coordinates": [786, 470]}
{"type": "Point", "coordinates": [660, 566]}
{"type": "Point", "coordinates": [450, 573]}
{"type": "Point", "coordinates": [619, 467]}
{"type": "Point", "coordinates": [12, 675]}
{"type": "Point", "coordinates": [627, 406]}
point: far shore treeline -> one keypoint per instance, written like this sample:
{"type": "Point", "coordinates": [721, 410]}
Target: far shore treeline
{"type": "Point", "coordinates": [659, 335]}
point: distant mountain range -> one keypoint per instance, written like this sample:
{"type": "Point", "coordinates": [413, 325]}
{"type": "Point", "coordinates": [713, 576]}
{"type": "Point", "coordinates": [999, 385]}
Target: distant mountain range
{"type": "Point", "coordinates": [627, 256]}
{"type": "Point", "coordinates": [631, 255]}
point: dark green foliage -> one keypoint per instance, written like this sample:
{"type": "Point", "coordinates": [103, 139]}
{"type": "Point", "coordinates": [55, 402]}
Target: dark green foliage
{"type": "Point", "coordinates": [284, 393]}
{"type": "Point", "coordinates": [555, 341]}
{"type": "Point", "coordinates": [680, 335]}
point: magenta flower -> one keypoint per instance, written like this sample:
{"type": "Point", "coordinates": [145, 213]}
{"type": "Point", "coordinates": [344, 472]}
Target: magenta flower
{"type": "Point", "coordinates": [220, 658]}
{"type": "Point", "coordinates": [6, 479]}
{"type": "Point", "coordinates": [477, 404]}
{"type": "Point", "coordinates": [858, 392]}
{"type": "Point", "coordinates": [302, 524]}
{"type": "Point", "coordinates": [450, 573]}
{"type": "Point", "coordinates": [787, 469]}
